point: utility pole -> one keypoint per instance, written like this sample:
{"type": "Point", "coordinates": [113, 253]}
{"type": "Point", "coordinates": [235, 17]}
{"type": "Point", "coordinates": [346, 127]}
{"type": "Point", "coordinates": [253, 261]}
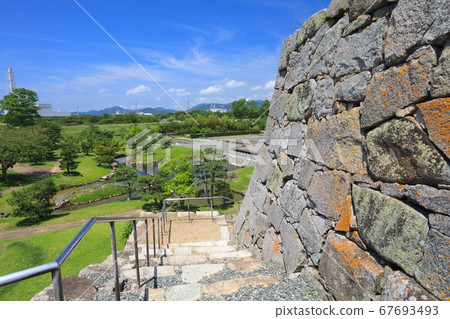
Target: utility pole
{"type": "Point", "coordinates": [12, 84]}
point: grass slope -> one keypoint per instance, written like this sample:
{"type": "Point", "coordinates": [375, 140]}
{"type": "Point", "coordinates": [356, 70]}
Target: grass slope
{"type": "Point", "coordinates": [32, 251]}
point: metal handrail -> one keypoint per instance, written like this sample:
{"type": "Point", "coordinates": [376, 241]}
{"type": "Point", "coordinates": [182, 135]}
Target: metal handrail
{"type": "Point", "coordinates": [54, 267]}
{"type": "Point", "coordinates": [164, 215]}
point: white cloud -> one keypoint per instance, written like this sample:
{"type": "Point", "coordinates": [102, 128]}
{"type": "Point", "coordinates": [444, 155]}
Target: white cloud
{"type": "Point", "coordinates": [212, 89]}
{"type": "Point", "coordinates": [269, 85]}
{"type": "Point", "coordinates": [256, 88]}
{"type": "Point", "coordinates": [179, 92]}
{"type": "Point", "coordinates": [138, 89]}
{"type": "Point", "coordinates": [232, 84]}
{"type": "Point", "coordinates": [101, 91]}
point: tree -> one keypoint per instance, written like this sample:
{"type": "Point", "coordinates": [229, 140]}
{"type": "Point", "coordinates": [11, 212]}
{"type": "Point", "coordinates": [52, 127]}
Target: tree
{"type": "Point", "coordinates": [127, 175]}
{"type": "Point", "coordinates": [34, 202]}
{"type": "Point", "coordinates": [212, 165]}
{"type": "Point", "coordinates": [153, 187]}
{"type": "Point", "coordinates": [93, 136]}
{"type": "Point", "coordinates": [21, 107]}
{"type": "Point", "coordinates": [180, 175]}
{"type": "Point", "coordinates": [36, 145]}
{"type": "Point", "coordinates": [53, 131]}
{"type": "Point", "coordinates": [11, 140]}
{"type": "Point", "coordinates": [239, 109]}
{"type": "Point", "coordinates": [69, 153]}
{"type": "Point", "coordinates": [106, 153]}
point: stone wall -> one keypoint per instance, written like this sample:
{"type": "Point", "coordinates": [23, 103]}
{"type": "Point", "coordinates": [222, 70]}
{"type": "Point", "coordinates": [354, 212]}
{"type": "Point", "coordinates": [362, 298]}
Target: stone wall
{"type": "Point", "coordinates": [352, 185]}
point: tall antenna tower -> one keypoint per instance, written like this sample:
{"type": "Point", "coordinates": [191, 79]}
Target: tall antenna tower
{"type": "Point", "coordinates": [12, 84]}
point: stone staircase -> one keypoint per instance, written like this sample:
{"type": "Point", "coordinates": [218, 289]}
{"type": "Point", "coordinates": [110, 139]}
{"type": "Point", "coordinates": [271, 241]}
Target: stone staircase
{"type": "Point", "coordinates": [186, 271]}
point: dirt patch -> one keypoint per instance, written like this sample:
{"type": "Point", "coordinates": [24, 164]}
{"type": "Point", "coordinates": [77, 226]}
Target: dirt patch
{"type": "Point", "coordinates": [37, 172]}
{"type": "Point", "coordinates": [199, 229]}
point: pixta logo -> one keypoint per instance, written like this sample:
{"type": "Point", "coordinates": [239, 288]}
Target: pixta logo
{"type": "Point", "coordinates": [141, 147]}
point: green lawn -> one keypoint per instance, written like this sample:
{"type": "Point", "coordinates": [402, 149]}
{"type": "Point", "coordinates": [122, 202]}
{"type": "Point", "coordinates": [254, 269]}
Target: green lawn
{"type": "Point", "coordinates": [87, 171]}
{"type": "Point", "coordinates": [240, 178]}
{"type": "Point", "coordinates": [95, 192]}
{"type": "Point", "coordinates": [10, 223]}
{"type": "Point", "coordinates": [31, 251]}
{"type": "Point", "coordinates": [118, 130]}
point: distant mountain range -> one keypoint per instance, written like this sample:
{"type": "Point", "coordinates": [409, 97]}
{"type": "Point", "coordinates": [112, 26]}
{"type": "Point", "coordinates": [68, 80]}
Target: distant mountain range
{"type": "Point", "coordinates": [158, 110]}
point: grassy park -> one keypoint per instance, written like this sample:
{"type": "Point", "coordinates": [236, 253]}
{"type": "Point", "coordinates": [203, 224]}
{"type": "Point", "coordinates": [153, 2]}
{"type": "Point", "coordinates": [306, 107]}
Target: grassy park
{"type": "Point", "coordinates": [24, 252]}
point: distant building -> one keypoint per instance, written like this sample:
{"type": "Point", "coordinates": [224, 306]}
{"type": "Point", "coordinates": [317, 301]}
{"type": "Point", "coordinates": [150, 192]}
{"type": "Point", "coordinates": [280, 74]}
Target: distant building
{"type": "Point", "coordinates": [222, 109]}
{"type": "Point", "coordinates": [46, 110]}
{"type": "Point", "coordinates": [143, 113]}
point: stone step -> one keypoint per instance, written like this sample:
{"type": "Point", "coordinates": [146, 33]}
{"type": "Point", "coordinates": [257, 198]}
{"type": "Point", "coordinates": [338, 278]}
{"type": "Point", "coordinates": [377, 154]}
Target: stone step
{"type": "Point", "coordinates": [204, 244]}
{"type": "Point", "coordinates": [149, 272]}
{"type": "Point", "coordinates": [232, 254]}
{"type": "Point", "coordinates": [186, 260]}
{"type": "Point", "coordinates": [231, 286]}
{"type": "Point", "coordinates": [212, 249]}
{"type": "Point", "coordinates": [195, 273]}
{"type": "Point", "coordinates": [189, 292]}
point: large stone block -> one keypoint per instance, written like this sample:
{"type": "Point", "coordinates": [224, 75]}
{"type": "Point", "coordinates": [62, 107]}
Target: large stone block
{"type": "Point", "coordinates": [349, 272]}
{"type": "Point", "coordinates": [440, 222]}
{"type": "Point", "coordinates": [299, 106]}
{"type": "Point", "coordinates": [440, 83]}
{"type": "Point", "coordinates": [303, 172]}
{"type": "Point", "coordinates": [293, 71]}
{"type": "Point", "coordinates": [358, 7]}
{"type": "Point", "coordinates": [294, 254]}
{"type": "Point", "coordinates": [274, 213]}
{"type": "Point", "coordinates": [323, 59]}
{"type": "Point", "coordinates": [436, 114]}
{"type": "Point", "coordinates": [310, 236]}
{"type": "Point", "coordinates": [336, 141]}
{"type": "Point", "coordinates": [396, 88]}
{"type": "Point", "coordinates": [286, 165]}
{"type": "Point", "coordinates": [285, 51]}
{"type": "Point", "coordinates": [436, 200]}
{"type": "Point", "coordinates": [394, 230]}
{"type": "Point", "coordinates": [274, 179]}
{"type": "Point", "coordinates": [433, 272]}
{"type": "Point", "coordinates": [361, 22]}
{"type": "Point", "coordinates": [262, 165]}
{"type": "Point", "coordinates": [292, 200]}
{"type": "Point", "coordinates": [399, 287]}
{"type": "Point", "coordinates": [323, 99]}
{"type": "Point", "coordinates": [354, 88]}
{"type": "Point", "coordinates": [74, 289]}
{"type": "Point", "coordinates": [278, 106]}
{"type": "Point", "coordinates": [296, 144]}
{"type": "Point", "coordinates": [259, 194]}
{"type": "Point", "coordinates": [271, 247]}
{"type": "Point", "coordinates": [311, 26]}
{"type": "Point", "coordinates": [337, 8]}
{"type": "Point", "coordinates": [257, 224]}
{"type": "Point", "coordinates": [414, 23]}
{"type": "Point", "coordinates": [400, 152]}
{"type": "Point", "coordinates": [361, 51]}
{"type": "Point", "coordinates": [329, 192]}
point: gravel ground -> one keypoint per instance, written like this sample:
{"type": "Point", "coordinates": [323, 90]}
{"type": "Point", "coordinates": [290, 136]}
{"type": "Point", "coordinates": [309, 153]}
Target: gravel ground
{"type": "Point", "coordinates": [286, 289]}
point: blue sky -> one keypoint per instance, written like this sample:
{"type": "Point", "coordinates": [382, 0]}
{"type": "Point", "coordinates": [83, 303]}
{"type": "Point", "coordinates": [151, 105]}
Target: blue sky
{"type": "Point", "coordinates": [198, 50]}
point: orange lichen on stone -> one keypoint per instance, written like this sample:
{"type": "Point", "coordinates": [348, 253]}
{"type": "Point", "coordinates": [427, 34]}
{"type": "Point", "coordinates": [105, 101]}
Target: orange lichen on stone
{"type": "Point", "coordinates": [436, 114]}
{"type": "Point", "coordinates": [275, 247]}
{"type": "Point", "coordinates": [353, 258]}
{"type": "Point", "coordinates": [346, 214]}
